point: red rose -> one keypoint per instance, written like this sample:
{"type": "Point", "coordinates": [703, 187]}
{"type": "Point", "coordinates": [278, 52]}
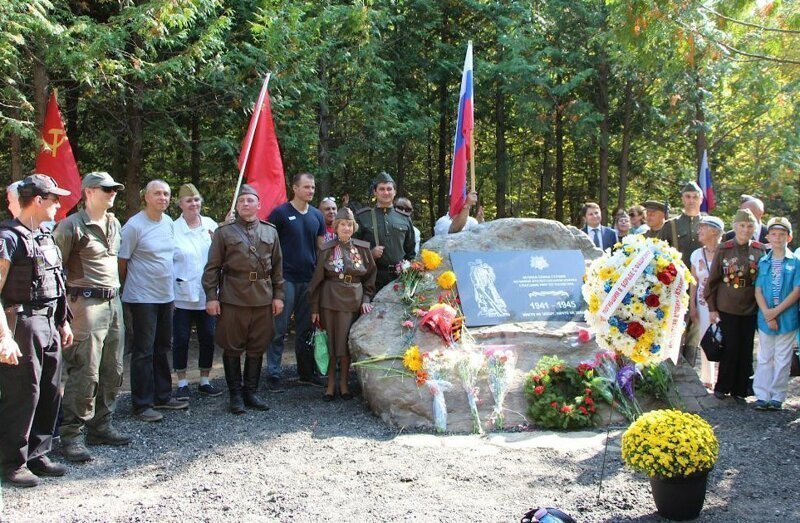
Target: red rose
{"type": "Point", "coordinates": [554, 404]}
{"type": "Point", "coordinates": [635, 329]}
{"type": "Point", "coordinates": [652, 300]}
{"type": "Point", "coordinates": [583, 410]}
{"type": "Point", "coordinates": [396, 286]}
{"type": "Point", "coordinates": [587, 391]}
{"type": "Point", "coordinates": [538, 390]}
{"type": "Point", "coordinates": [584, 335]}
{"type": "Point", "coordinates": [665, 277]}
{"type": "Point", "coordinates": [588, 400]}
{"type": "Point", "coordinates": [566, 408]}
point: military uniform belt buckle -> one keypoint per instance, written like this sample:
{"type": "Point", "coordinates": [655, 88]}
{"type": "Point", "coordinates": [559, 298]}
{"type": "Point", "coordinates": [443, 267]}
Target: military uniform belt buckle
{"type": "Point", "coordinates": [347, 278]}
{"type": "Point", "coordinates": [253, 275]}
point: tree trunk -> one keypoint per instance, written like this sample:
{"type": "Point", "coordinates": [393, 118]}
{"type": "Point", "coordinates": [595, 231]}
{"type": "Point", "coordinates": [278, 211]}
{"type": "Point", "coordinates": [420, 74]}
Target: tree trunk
{"type": "Point", "coordinates": [700, 122]}
{"type": "Point", "coordinates": [429, 171]}
{"type": "Point", "coordinates": [602, 106]}
{"type": "Point", "coordinates": [441, 180]}
{"type": "Point", "coordinates": [194, 162]}
{"type": "Point", "coordinates": [627, 135]}
{"type": "Point", "coordinates": [547, 173]}
{"type": "Point", "coordinates": [324, 126]}
{"type": "Point", "coordinates": [559, 144]}
{"type": "Point", "coordinates": [39, 93]}
{"type": "Point", "coordinates": [133, 167]}
{"type": "Point", "coordinates": [400, 168]}
{"type": "Point", "coordinates": [501, 152]}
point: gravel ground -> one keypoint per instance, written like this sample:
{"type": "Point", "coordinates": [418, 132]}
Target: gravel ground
{"type": "Point", "coordinates": [307, 460]}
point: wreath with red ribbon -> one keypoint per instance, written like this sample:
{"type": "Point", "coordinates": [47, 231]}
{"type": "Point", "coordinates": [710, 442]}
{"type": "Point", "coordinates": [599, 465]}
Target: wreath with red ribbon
{"type": "Point", "coordinates": [561, 397]}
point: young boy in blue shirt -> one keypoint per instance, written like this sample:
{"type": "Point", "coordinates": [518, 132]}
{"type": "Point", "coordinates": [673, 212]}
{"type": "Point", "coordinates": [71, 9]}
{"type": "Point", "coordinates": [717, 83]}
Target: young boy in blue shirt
{"type": "Point", "coordinates": [777, 291]}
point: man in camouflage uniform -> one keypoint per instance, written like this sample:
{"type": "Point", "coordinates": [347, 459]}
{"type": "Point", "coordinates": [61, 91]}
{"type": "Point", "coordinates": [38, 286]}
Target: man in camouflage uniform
{"type": "Point", "coordinates": [390, 234]}
{"type": "Point", "coordinates": [89, 241]}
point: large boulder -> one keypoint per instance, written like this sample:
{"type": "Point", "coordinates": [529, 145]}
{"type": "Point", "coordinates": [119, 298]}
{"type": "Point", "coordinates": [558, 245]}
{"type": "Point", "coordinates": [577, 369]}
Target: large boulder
{"type": "Point", "coordinates": [400, 402]}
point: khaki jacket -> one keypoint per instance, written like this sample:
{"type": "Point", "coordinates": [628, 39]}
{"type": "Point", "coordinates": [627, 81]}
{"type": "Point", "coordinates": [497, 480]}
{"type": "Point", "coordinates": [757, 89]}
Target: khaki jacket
{"type": "Point", "coordinates": [348, 287]}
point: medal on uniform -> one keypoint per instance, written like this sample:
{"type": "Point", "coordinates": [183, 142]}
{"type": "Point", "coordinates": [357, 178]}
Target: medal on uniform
{"type": "Point", "coordinates": [735, 285]}
{"type": "Point", "coordinates": [341, 276]}
{"type": "Point", "coordinates": [726, 279]}
{"type": "Point", "coordinates": [253, 248]}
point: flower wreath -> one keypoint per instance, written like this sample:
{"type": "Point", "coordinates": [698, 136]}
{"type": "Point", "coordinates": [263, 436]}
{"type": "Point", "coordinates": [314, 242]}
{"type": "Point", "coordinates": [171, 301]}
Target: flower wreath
{"type": "Point", "coordinates": [561, 397]}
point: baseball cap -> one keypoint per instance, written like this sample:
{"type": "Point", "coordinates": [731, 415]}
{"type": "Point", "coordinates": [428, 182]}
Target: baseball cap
{"type": "Point", "coordinates": [100, 179]}
{"type": "Point", "coordinates": [40, 185]}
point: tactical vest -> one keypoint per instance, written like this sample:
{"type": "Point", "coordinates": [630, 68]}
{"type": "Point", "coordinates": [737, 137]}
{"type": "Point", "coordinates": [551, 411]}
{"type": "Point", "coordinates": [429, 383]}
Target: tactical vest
{"type": "Point", "coordinates": [35, 275]}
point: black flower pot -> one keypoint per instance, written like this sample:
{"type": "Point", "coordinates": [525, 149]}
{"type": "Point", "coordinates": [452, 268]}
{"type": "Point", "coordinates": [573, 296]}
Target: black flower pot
{"type": "Point", "coordinates": [681, 498]}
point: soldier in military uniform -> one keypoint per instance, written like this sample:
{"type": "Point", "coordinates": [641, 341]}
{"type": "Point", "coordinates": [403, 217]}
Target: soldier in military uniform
{"type": "Point", "coordinates": [89, 241]}
{"type": "Point", "coordinates": [389, 233]}
{"type": "Point", "coordinates": [243, 282]}
{"type": "Point", "coordinates": [730, 294]}
{"type": "Point", "coordinates": [343, 284]}
{"type": "Point", "coordinates": [681, 232]}
{"type": "Point", "coordinates": [657, 213]}
{"type": "Point", "coordinates": [34, 329]}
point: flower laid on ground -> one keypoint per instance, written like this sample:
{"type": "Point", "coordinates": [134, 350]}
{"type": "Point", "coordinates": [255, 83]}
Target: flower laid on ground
{"type": "Point", "coordinates": [446, 280]}
{"type": "Point", "coordinates": [412, 359]}
{"type": "Point", "coordinates": [500, 363]}
{"type": "Point", "coordinates": [430, 259]}
{"type": "Point", "coordinates": [561, 397]}
{"type": "Point", "coordinates": [468, 366]}
{"type": "Point", "coordinates": [670, 443]}
{"type": "Point", "coordinates": [442, 320]}
{"type": "Point", "coordinates": [637, 299]}
{"type": "Point", "coordinates": [438, 365]}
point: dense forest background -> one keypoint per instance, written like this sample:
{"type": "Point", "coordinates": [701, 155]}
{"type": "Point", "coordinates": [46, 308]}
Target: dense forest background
{"type": "Point", "coordinates": [605, 100]}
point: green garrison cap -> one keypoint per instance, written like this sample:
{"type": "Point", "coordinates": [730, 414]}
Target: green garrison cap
{"type": "Point", "coordinates": [383, 177]}
{"type": "Point", "coordinates": [691, 187]}
{"type": "Point", "coordinates": [744, 215]}
{"type": "Point", "coordinates": [656, 206]}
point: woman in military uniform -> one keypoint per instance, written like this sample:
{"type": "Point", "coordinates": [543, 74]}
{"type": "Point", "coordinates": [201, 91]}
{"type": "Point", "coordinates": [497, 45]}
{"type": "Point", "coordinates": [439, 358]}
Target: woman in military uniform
{"type": "Point", "coordinates": [343, 284]}
{"type": "Point", "coordinates": [730, 293]}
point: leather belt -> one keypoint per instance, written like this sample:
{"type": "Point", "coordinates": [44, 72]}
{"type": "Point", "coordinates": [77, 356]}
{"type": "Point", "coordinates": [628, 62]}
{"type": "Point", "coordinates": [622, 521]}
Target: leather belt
{"type": "Point", "coordinates": [249, 275]}
{"type": "Point", "coordinates": [344, 278]}
{"type": "Point", "coordinates": [104, 293]}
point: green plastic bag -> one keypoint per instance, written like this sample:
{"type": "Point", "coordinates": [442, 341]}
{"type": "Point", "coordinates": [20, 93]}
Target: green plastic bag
{"type": "Point", "coordinates": [321, 350]}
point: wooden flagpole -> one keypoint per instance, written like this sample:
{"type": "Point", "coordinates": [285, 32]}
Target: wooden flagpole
{"type": "Point", "coordinates": [249, 143]}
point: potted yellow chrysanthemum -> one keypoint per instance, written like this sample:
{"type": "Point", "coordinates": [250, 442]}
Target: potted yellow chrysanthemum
{"type": "Point", "coordinates": [676, 450]}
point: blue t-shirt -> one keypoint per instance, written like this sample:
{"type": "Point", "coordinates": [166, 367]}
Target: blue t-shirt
{"type": "Point", "coordinates": [298, 236]}
{"type": "Point", "coordinates": [788, 320]}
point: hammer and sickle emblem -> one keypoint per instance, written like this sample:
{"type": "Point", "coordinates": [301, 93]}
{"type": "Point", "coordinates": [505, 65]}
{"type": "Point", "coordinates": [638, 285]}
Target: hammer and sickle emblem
{"type": "Point", "coordinates": [59, 137]}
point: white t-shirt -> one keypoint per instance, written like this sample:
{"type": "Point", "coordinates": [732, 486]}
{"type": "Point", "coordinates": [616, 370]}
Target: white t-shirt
{"type": "Point", "coordinates": [442, 225]}
{"type": "Point", "coordinates": [148, 246]}
{"type": "Point", "coordinates": [189, 260]}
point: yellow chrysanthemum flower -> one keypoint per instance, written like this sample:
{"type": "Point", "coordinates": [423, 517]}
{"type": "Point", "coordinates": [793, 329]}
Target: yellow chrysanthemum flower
{"type": "Point", "coordinates": [430, 259]}
{"type": "Point", "coordinates": [412, 359]}
{"type": "Point", "coordinates": [606, 272]}
{"type": "Point", "coordinates": [446, 280]}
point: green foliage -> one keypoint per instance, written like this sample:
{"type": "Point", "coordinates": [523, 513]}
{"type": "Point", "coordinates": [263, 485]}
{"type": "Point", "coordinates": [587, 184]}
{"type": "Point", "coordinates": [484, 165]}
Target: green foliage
{"type": "Point", "coordinates": [164, 88]}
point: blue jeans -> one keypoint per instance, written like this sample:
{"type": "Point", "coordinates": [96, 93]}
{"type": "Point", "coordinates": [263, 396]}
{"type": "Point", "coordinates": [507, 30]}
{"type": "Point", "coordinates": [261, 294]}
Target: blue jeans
{"type": "Point", "coordinates": [182, 320]}
{"type": "Point", "coordinates": [151, 379]}
{"type": "Point", "coordinates": [296, 301]}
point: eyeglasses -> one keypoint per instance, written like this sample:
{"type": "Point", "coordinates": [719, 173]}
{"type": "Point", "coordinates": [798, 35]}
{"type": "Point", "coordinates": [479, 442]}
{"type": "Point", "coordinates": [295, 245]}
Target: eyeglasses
{"type": "Point", "coordinates": [403, 208]}
{"type": "Point", "coordinates": [51, 197]}
{"type": "Point", "coordinates": [106, 189]}
{"type": "Point", "coordinates": [328, 199]}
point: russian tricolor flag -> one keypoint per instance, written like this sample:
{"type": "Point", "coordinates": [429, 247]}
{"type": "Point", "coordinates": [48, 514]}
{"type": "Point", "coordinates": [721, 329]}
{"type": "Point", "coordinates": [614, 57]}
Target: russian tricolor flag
{"type": "Point", "coordinates": [462, 152]}
{"type": "Point", "coordinates": [704, 181]}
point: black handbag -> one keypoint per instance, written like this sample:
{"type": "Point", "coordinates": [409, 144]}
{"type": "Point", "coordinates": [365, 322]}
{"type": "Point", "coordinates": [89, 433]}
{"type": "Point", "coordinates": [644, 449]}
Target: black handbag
{"type": "Point", "coordinates": [712, 343]}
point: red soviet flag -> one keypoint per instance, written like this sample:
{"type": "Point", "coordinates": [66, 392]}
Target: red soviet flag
{"type": "Point", "coordinates": [262, 157]}
{"type": "Point", "coordinates": [56, 159]}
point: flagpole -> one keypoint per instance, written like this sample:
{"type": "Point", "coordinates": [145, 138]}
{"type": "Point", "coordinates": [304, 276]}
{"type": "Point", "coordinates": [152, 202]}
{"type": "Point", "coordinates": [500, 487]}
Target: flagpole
{"type": "Point", "coordinates": [472, 134]}
{"type": "Point", "coordinates": [249, 144]}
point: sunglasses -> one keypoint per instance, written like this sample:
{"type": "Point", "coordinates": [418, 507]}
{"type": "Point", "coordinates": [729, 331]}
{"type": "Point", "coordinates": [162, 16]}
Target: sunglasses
{"type": "Point", "coordinates": [106, 189]}
{"type": "Point", "coordinates": [403, 208]}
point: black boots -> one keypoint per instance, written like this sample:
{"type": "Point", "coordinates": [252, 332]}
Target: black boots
{"type": "Point", "coordinates": [233, 377]}
{"type": "Point", "coordinates": [252, 375]}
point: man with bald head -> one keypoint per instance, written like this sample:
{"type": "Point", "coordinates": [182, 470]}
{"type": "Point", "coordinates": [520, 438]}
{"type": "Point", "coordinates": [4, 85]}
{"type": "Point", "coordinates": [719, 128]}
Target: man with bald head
{"type": "Point", "coordinates": [755, 206]}
{"type": "Point", "coordinates": [145, 271]}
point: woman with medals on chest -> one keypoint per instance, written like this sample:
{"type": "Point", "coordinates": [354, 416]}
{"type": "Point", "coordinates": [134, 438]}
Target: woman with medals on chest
{"type": "Point", "coordinates": [730, 295]}
{"type": "Point", "coordinates": [342, 286]}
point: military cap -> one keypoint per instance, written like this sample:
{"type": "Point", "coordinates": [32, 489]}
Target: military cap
{"type": "Point", "coordinates": [779, 223]}
{"type": "Point", "coordinates": [655, 205]}
{"type": "Point", "coordinates": [186, 190]}
{"type": "Point", "coordinates": [100, 179]}
{"type": "Point", "coordinates": [744, 215]}
{"type": "Point", "coordinates": [712, 221]}
{"type": "Point", "coordinates": [40, 185]}
{"type": "Point", "coordinates": [383, 177]}
{"type": "Point", "coordinates": [248, 189]}
{"type": "Point", "coordinates": [344, 214]}
{"type": "Point", "coordinates": [691, 187]}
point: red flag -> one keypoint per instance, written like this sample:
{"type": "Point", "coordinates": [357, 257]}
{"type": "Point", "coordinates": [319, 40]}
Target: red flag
{"type": "Point", "coordinates": [262, 157]}
{"type": "Point", "coordinates": [56, 159]}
